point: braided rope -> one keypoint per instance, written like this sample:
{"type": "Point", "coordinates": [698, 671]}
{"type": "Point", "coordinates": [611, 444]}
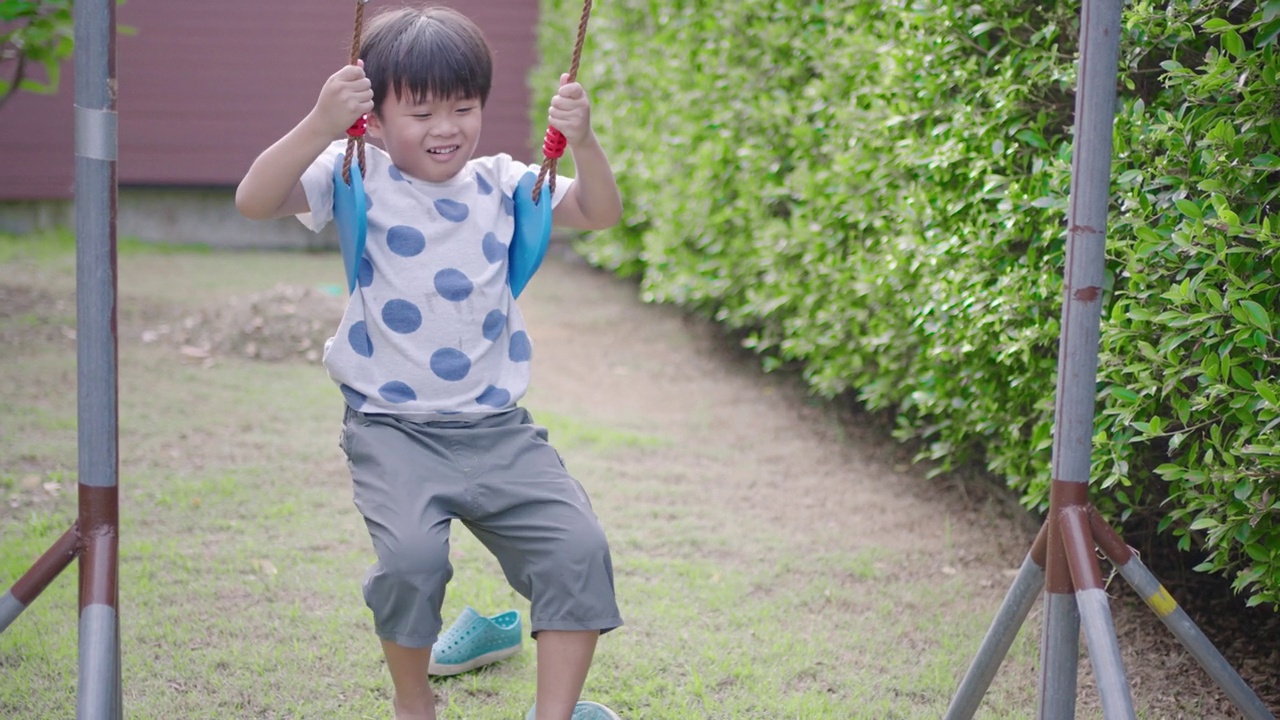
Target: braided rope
{"type": "Point", "coordinates": [554, 143]}
{"type": "Point", "coordinates": [355, 141]}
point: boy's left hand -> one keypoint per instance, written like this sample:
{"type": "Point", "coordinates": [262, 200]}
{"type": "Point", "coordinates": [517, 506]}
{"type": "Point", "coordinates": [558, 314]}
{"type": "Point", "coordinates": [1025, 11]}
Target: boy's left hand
{"type": "Point", "coordinates": [570, 111]}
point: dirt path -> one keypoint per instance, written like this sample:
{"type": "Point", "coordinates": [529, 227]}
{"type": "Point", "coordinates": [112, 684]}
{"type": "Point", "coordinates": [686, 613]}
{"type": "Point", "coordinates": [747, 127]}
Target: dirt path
{"type": "Point", "coordinates": [748, 444]}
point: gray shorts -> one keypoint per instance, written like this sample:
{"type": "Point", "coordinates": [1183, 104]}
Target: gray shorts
{"type": "Point", "coordinates": [508, 485]}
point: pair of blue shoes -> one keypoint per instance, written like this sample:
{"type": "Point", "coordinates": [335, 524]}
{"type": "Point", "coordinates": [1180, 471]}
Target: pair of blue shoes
{"type": "Point", "coordinates": [474, 641]}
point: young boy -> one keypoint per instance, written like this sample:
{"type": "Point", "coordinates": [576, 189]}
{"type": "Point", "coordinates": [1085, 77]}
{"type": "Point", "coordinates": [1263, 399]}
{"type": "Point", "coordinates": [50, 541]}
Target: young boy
{"type": "Point", "coordinates": [432, 354]}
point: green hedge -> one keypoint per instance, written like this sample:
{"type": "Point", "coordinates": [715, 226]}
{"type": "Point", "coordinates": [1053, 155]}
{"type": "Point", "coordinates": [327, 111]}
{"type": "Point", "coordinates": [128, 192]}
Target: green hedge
{"type": "Point", "coordinates": [875, 192]}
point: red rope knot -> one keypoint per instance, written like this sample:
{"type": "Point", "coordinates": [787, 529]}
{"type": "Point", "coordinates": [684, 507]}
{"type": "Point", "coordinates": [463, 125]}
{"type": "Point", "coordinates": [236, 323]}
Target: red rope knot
{"type": "Point", "coordinates": [359, 127]}
{"type": "Point", "coordinates": [554, 143]}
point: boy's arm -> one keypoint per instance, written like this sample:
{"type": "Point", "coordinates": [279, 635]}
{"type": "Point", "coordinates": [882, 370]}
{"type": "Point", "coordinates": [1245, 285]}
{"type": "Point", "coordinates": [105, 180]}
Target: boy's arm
{"type": "Point", "coordinates": [592, 201]}
{"type": "Point", "coordinates": [271, 188]}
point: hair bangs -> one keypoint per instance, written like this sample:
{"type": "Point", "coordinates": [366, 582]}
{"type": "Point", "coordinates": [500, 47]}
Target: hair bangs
{"type": "Point", "coordinates": [421, 54]}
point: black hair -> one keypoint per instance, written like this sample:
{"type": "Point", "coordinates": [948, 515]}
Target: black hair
{"type": "Point", "coordinates": [432, 52]}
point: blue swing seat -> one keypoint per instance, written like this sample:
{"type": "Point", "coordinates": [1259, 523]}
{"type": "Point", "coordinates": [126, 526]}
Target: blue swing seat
{"type": "Point", "coordinates": [350, 214]}
{"type": "Point", "coordinates": [532, 234]}
{"type": "Point", "coordinates": [525, 253]}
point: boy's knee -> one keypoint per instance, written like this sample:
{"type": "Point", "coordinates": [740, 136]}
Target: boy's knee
{"type": "Point", "coordinates": [414, 558]}
{"type": "Point", "coordinates": [587, 541]}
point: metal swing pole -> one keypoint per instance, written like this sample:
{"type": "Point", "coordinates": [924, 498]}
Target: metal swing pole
{"type": "Point", "coordinates": [1063, 559]}
{"type": "Point", "coordinates": [99, 693]}
{"type": "Point", "coordinates": [94, 538]}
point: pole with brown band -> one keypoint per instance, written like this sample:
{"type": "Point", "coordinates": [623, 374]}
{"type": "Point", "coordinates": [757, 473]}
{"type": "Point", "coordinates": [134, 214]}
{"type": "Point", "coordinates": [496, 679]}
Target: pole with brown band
{"type": "Point", "coordinates": [94, 538]}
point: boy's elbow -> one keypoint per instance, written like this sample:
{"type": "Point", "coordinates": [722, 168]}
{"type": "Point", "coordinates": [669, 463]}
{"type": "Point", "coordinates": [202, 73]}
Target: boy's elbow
{"type": "Point", "coordinates": [250, 205]}
{"type": "Point", "coordinates": [606, 222]}
{"type": "Point", "coordinates": [245, 205]}
{"type": "Point", "coordinates": [606, 218]}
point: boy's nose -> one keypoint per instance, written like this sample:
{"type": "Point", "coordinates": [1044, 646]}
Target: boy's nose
{"type": "Point", "coordinates": [444, 128]}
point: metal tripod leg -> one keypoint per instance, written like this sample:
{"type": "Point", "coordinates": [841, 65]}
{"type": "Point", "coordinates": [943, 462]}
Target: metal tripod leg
{"type": "Point", "coordinates": [1095, 614]}
{"type": "Point", "coordinates": [1060, 631]}
{"type": "Point", "coordinates": [1000, 636]}
{"type": "Point", "coordinates": [1176, 619]}
{"type": "Point", "coordinates": [37, 578]}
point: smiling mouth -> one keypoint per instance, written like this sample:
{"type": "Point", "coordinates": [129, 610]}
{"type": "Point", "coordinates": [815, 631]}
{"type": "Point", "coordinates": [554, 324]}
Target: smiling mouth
{"type": "Point", "coordinates": [444, 150]}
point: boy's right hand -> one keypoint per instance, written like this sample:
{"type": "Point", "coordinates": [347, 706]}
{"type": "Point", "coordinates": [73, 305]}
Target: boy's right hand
{"type": "Point", "coordinates": [346, 95]}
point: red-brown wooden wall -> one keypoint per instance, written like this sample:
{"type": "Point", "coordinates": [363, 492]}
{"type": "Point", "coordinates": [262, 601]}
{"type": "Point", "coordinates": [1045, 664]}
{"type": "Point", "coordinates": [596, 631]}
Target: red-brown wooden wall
{"type": "Point", "coordinates": [204, 85]}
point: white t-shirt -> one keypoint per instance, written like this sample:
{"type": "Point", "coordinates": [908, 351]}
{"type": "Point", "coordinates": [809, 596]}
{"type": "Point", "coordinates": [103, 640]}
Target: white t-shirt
{"type": "Point", "coordinates": [431, 329]}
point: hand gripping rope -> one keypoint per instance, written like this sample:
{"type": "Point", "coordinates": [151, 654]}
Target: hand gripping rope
{"type": "Point", "coordinates": [533, 212]}
{"type": "Point", "coordinates": [349, 206]}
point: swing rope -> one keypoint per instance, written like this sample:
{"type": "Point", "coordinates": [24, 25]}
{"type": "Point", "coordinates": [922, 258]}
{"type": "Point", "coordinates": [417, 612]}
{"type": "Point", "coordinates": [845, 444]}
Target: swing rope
{"type": "Point", "coordinates": [554, 142]}
{"type": "Point", "coordinates": [356, 133]}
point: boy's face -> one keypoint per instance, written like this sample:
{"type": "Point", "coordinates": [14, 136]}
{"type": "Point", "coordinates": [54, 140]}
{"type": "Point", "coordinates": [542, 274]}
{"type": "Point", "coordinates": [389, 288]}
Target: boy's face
{"type": "Point", "coordinates": [430, 140]}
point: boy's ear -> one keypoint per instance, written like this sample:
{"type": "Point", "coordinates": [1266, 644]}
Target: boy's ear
{"type": "Point", "coordinates": [374, 125]}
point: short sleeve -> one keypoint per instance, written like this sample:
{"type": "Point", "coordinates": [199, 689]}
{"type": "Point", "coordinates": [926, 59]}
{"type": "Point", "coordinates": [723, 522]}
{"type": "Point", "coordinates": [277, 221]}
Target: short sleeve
{"type": "Point", "coordinates": [509, 171]}
{"type": "Point", "coordinates": [317, 183]}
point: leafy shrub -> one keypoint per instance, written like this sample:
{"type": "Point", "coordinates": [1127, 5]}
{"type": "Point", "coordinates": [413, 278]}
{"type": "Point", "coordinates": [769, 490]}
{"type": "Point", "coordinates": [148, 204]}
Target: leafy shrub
{"type": "Point", "coordinates": [876, 193]}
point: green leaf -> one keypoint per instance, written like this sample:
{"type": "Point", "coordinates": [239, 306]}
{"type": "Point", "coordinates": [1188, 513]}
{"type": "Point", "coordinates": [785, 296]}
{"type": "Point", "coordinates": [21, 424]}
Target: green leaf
{"type": "Point", "coordinates": [1258, 553]}
{"type": "Point", "coordinates": [1233, 43]}
{"type": "Point", "coordinates": [1205, 523]}
{"type": "Point", "coordinates": [1033, 138]}
{"type": "Point", "coordinates": [1124, 394]}
{"type": "Point", "coordinates": [1241, 378]}
{"type": "Point", "coordinates": [1189, 209]}
{"type": "Point", "coordinates": [1244, 489]}
{"type": "Point", "coordinates": [1267, 392]}
{"type": "Point", "coordinates": [1257, 314]}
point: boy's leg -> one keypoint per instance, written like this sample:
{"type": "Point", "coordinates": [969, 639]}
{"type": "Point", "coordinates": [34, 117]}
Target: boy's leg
{"type": "Point", "coordinates": [414, 699]}
{"type": "Point", "coordinates": [406, 487]}
{"type": "Point", "coordinates": [564, 657]}
{"type": "Point", "coordinates": [538, 522]}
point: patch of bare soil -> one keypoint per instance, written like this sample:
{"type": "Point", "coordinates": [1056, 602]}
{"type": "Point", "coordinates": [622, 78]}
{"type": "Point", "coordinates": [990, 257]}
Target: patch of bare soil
{"type": "Point", "coordinates": [288, 322]}
{"type": "Point", "coordinates": [33, 315]}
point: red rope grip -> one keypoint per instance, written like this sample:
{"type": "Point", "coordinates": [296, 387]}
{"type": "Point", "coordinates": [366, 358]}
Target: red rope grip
{"type": "Point", "coordinates": [554, 143]}
{"type": "Point", "coordinates": [359, 127]}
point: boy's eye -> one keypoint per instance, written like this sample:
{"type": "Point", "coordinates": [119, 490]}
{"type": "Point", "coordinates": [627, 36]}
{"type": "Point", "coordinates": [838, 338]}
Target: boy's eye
{"type": "Point", "coordinates": [464, 110]}
{"type": "Point", "coordinates": [422, 116]}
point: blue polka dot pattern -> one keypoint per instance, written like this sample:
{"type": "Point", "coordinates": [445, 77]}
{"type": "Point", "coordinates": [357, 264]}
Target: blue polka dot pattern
{"type": "Point", "coordinates": [450, 364]}
{"type": "Point", "coordinates": [396, 175]}
{"type": "Point", "coordinates": [482, 185]}
{"type": "Point", "coordinates": [494, 323]}
{"type": "Point", "coordinates": [402, 316]}
{"type": "Point", "coordinates": [508, 204]}
{"type": "Point", "coordinates": [406, 241]}
{"type": "Point", "coordinates": [521, 349]}
{"type": "Point", "coordinates": [452, 210]}
{"type": "Point", "coordinates": [354, 399]}
{"type": "Point", "coordinates": [494, 397]}
{"type": "Point", "coordinates": [454, 285]}
{"type": "Point", "coordinates": [365, 275]}
{"type": "Point", "coordinates": [397, 392]}
{"type": "Point", "coordinates": [494, 249]}
{"type": "Point", "coordinates": [358, 336]}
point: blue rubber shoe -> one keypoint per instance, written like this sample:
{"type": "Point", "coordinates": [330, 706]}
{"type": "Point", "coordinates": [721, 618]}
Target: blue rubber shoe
{"type": "Point", "coordinates": [583, 711]}
{"type": "Point", "coordinates": [474, 641]}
